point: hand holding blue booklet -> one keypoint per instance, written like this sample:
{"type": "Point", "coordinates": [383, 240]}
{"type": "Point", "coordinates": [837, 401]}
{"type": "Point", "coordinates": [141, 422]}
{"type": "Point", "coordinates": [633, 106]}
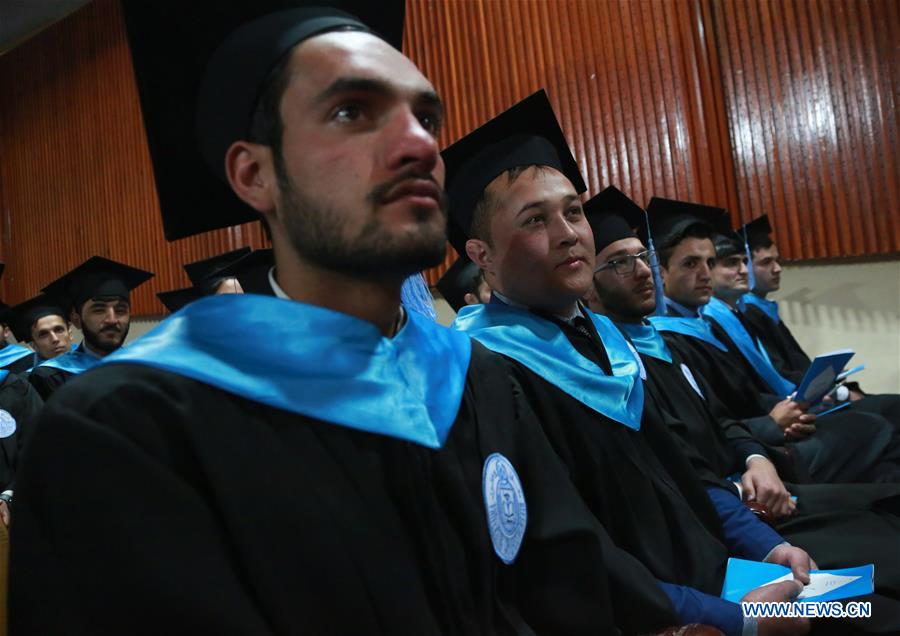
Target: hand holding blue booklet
{"type": "Point", "coordinates": [741, 576]}
{"type": "Point", "coordinates": [821, 376]}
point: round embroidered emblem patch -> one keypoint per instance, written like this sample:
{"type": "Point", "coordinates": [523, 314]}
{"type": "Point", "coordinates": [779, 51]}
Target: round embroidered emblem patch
{"type": "Point", "coordinates": [7, 424]}
{"type": "Point", "coordinates": [690, 378]}
{"type": "Point", "coordinates": [504, 501]}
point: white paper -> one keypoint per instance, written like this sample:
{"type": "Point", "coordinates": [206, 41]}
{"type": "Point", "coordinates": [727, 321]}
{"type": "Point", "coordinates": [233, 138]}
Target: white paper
{"type": "Point", "coordinates": [819, 583]}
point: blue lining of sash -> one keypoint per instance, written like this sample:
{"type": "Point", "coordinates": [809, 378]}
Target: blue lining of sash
{"type": "Point", "coordinates": [13, 353]}
{"type": "Point", "coordinates": [316, 362]}
{"type": "Point", "coordinates": [721, 313]}
{"type": "Point", "coordinates": [646, 340]}
{"type": "Point", "coordinates": [541, 346]}
{"type": "Point", "coordinates": [74, 362]}
{"type": "Point", "coordinates": [768, 307]}
{"type": "Point", "coordinates": [691, 327]}
{"type": "Point", "coordinates": [3, 374]}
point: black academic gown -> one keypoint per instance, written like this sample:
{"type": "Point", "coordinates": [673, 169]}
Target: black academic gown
{"type": "Point", "coordinates": [839, 525]}
{"type": "Point", "coordinates": [21, 366]}
{"type": "Point", "coordinates": [855, 446]}
{"type": "Point", "coordinates": [639, 484]}
{"type": "Point", "coordinates": [47, 380]}
{"type": "Point", "coordinates": [151, 503]}
{"type": "Point", "coordinates": [23, 404]}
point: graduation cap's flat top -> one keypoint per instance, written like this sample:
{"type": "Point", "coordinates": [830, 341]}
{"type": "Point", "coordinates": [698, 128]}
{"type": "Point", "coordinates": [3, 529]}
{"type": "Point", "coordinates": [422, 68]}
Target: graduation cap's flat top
{"type": "Point", "coordinates": [728, 244]}
{"type": "Point", "coordinates": [458, 281]}
{"type": "Point", "coordinates": [178, 298]}
{"type": "Point", "coordinates": [613, 217]}
{"type": "Point", "coordinates": [525, 134]}
{"type": "Point", "coordinates": [670, 218]}
{"type": "Point", "coordinates": [204, 272]}
{"type": "Point", "coordinates": [97, 277]}
{"type": "Point", "coordinates": [21, 317]}
{"type": "Point", "coordinates": [171, 44]}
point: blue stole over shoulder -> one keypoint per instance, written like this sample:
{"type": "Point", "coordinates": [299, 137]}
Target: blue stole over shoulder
{"type": "Point", "coordinates": [316, 362]}
{"type": "Point", "coordinates": [13, 353]}
{"type": "Point", "coordinates": [646, 340]}
{"type": "Point", "coordinates": [541, 346]}
{"type": "Point", "coordinates": [691, 327]}
{"type": "Point", "coordinates": [768, 307]}
{"type": "Point", "coordinates": [74, 362]}
{"type": "Point", "coordinates": [3, 374]}
{"type": "Point", "coordinates": [722, 314]}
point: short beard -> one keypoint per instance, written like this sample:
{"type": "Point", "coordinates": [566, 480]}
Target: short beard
{"type": "Point", "coordinates": [93, 340]}
{"type": "Point", "coordinates": [620, 305]}
{"type": "Point", "coordinates": [314, 230]}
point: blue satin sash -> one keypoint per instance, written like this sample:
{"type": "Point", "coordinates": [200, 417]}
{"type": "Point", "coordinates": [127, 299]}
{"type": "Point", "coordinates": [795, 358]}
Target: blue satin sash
{"type": "Point", "coordinates": [316, 362]}
{"type": "Point", "coordinates": [691, 327]}
{"type": "Point", "coordinates": [74, 362]}
{"type": "Point", "coordinates": [721, 313]}
{"type": "Point", "coordinates": [646, 340]}
{"type": "Point", "coordinates": [541, 346]}
{"type": "Point", "coordinates": [769, 307]}
{"type": "Point", "coordinates": [3, 374]}
{"type": "Point", "coordinates": [13, 353]}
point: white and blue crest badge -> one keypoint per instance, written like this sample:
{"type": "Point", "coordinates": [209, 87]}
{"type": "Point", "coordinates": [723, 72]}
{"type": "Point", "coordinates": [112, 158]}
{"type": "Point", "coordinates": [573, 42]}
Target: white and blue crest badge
{"type": "Point", "coordinates": [7, 424]}
{"type": "Point", "coordinates": [504, 501]}
{"type": "Point", "coordinates": [691, 380]}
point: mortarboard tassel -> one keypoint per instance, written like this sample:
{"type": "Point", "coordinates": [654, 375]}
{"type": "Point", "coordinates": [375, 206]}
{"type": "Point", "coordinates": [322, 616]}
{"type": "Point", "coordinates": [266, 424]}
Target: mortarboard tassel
{"type": "Point", "coordinates": [654, 268]}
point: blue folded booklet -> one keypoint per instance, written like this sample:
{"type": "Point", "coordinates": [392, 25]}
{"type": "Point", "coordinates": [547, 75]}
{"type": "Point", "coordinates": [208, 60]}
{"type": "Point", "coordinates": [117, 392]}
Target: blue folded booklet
{"type": "Point", "coordinates": [741, 576]}
{"type": "Point", "coordinates": [821, 376]}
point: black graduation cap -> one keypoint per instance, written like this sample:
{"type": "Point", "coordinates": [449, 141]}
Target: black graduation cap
{"type": "Point", "coordinates": [178, 298]}
{"type": "Point", "coordinates": [756, 231]}
{"type": "Point", "coordinates": [97, 277]}
{"type": "Point", "coordinates": [205, 273]}
{"type": "Point", "coordinates": [21, 317]}
{"type": "Point", "coordinates": [252, 271]}
{"type": "Point", "coordinates": [172, 42]}
{"type": "Point", "coordinates": [459, 280]}
{"type": "Point", "coordinates": [525, 134]}
{"type": "Point", "coordinates": [670, 218]}
{"type": "Point", "coordinates": [728, 244]}
{"type": "Point", "coordinates": [613, 217]}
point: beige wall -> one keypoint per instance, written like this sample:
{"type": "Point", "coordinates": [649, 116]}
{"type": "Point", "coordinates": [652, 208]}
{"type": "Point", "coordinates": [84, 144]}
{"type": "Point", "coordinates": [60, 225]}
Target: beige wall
{"type": "Point", "coordinates": [855, 305]}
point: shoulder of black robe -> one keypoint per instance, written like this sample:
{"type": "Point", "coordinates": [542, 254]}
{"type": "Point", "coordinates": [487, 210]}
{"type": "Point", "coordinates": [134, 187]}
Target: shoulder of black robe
{"type": "Point", "coordinates": [21, 365]}
{"type": "Point", "coordinates": [22, 402]}
{"type": "Point", "coordinates": [382, 536]}
{"type": "Point", "coordinates": [784, 351]}
{"type": "Point", "coordinates": [47, 380]}
{"type": "Point", "coordinates": [638, 484]}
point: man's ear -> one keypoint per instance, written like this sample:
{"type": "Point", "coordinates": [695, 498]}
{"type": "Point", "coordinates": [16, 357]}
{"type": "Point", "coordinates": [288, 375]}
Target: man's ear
{"type": "Point", "coordinates": [471, 299]}
{"type": "Point", "coordinates": [251, 174]}
{"type": "Point", "coordinates": [480, 253]}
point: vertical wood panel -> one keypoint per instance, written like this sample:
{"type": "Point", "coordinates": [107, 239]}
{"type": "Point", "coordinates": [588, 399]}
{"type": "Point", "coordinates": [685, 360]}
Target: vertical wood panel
{"type": "Point", "coordinates": [811, 91]}
{"type": "Point", "coordinates": [76, 178]}
{"type": "Point", "coordinates": [634, 85]}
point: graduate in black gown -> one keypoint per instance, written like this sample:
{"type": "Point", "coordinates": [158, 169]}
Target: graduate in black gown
{"type": "Point", "coordinates": [764, 320]}
{"type": "Point", "coordinates": [841, 524]}
{"type": "Point", "coordinates": [43, 324]}
{"type": "Point", "coordinates": [515, 210]}
{"type": "Point", "coordinates": [98, 293]}
{"type": "Point", "coordinates": [352, 468]}
{"type": "Point", "coordinates": [843, 447]}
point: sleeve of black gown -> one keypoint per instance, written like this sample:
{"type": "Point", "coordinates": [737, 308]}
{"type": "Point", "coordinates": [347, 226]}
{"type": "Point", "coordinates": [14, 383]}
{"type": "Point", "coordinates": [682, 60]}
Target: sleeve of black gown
{"type": "Point", "coordinates": [46, 381]}
{"type": "Point", "coordinates": [92, 545]}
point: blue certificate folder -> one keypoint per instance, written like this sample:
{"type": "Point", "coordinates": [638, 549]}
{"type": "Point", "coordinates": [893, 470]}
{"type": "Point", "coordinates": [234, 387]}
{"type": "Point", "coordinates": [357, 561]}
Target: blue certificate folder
{"type": "Point", "coordinates": [821, 375]}
{"type": "Point", "coordinates": [741, 576]}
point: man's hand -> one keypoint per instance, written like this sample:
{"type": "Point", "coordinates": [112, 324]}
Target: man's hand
{"type": "Point", "coordinates": [760, 482]}
{"type": "Point", "coordinates": [4, 513]}
{"type": "Point", "coordinates": [783, 592]}
{"type": "Point", "coordinates": [786, 412]}
{"type": "Point", "coordinates": [802, 428]}
{"type": "Point", "coordinates": [796, 559]}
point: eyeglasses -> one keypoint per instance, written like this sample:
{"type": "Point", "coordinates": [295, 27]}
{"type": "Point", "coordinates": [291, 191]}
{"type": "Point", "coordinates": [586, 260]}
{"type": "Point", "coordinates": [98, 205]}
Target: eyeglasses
{"type": "Point", "coordinates": [624, 265]}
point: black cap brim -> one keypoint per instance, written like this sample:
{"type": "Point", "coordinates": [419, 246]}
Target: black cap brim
{"type": "Point", "coordinates": [203, 272]}
{"type": "Point", "coordinates": [96, 277]}
{"type": "Point", "coordinates": [669, 218]}
{"type": "Point", "coordinates": [178, 298]}
{"type": "Point", "coordinates": [613, 217]}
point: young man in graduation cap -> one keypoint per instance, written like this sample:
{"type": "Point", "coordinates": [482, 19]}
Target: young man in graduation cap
{"type": "Point", "coordinates": [842, 525]}
{"type": "Point", "coordinates": [358, 469]}
{"type": "Point", "coordinates": [762, 317]}
{"type": "Point", "coordinates": [42, 322]}
{"type": "Point", "coordinates": [845, 447]}
{"type": "Point", "coordinates": [99, 292]}
{"type": "Point", "coordinates": [514, 190]}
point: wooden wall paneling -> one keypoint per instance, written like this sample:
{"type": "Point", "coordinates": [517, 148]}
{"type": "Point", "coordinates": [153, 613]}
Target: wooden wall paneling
{"type": "Point", "coordinates": [81, 181]}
